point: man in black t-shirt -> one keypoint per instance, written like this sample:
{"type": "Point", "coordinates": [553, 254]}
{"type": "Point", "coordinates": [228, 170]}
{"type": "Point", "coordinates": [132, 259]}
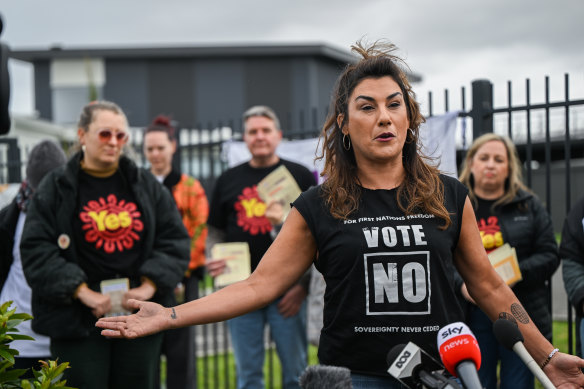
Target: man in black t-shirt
{"type": "Point", "coordinates": [237, 214]}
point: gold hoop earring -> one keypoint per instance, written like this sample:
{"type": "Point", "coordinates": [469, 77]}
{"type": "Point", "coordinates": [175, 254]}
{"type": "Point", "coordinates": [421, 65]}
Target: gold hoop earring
{"type": "Point", "coordinates": [345, 143]}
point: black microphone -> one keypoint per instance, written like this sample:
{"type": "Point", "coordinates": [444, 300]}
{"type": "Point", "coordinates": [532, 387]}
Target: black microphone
{"type": "Point", "coordinates": [508, 334]}
{"type": "Point", "coordinates": [323, 376]}
{"type": "Point", "coordinates": [413, 367]}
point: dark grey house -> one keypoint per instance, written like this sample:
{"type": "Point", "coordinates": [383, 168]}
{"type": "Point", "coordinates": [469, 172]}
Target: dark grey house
{"type": "Point", "coordinates": [196, 85]}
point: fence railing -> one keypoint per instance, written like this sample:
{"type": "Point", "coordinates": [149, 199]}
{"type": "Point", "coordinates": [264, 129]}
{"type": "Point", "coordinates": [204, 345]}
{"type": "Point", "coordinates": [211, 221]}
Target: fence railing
{"type": "Point", "coordinates": [555, 136]}
{"type": "Point", "coordinates": [10, 161]}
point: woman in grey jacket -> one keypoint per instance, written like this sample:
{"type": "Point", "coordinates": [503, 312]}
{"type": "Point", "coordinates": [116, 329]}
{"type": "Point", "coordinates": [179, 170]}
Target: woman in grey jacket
{"type": "Point", "coordinates": [507, 212]}
{"type": "Point", "coordinates": [101, 218]}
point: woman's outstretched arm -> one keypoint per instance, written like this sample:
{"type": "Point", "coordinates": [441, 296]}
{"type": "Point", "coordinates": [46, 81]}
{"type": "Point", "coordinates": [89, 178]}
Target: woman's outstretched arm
{"type": "Point", "coordinates": [496, 299]}
{"type": "Point", "coordinates": [282, 265]}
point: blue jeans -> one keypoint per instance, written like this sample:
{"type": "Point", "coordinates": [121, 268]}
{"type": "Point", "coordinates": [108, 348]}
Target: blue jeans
{"type": "Point", "coordinates": [514, 373]}
{"type": "Point", "coordinates": [247, 338]}
{"type": "Point", "coordinates": [361, 381]}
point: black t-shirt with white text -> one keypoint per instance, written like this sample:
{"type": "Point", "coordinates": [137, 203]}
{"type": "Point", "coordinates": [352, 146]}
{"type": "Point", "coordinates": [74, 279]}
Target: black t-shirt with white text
{"type": "Point", "coordinates": [389, 277]}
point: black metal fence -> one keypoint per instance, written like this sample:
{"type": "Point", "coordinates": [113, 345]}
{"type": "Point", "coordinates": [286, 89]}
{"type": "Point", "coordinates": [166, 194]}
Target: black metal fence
{"type": "Point", "coordinates": [549, 136]}
{"type": "Point", "coordinates": [10, 161]}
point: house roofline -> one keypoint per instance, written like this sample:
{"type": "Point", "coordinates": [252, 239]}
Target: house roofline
{"type": "Point", "coordinates": [201, 51]}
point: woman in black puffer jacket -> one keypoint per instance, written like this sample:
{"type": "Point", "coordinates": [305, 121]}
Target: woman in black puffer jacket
{"type": "Point", "coordinates": [101, 218]}
{"type": "Point", "coordinates": [507, 212]}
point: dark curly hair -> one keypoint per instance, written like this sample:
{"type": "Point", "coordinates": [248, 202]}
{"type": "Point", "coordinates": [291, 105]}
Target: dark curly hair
{"type": "Point", "coordinates": [422, 189]}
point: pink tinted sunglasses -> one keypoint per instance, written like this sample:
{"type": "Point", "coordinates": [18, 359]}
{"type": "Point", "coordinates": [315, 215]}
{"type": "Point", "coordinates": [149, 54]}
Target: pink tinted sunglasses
{"type": "Point", "coordinates": [106, 134]}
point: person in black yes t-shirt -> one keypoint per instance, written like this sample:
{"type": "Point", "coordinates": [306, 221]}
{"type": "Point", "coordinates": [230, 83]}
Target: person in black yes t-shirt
{"type": "Point", "coordinates": [237, 214]}
{"type": "Point", "coordinates": [101, 218]}
{"type": "Point", "coordinates": [387, 231]}
{"type": "Point", "coordinates": [507, 212]}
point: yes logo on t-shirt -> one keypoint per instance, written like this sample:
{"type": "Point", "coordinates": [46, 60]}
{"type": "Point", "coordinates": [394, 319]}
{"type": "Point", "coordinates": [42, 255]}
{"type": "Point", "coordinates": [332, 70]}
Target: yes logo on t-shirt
{"type": "Point", "coordinates": [490, 233]}
{"type": "Point", "coordinates": [251, 212]}
{"type": "Point", "coordinates": [111, 224]}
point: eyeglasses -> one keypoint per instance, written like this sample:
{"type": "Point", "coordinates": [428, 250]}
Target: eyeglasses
{"type": "Point", "coordinates": [106, 134]}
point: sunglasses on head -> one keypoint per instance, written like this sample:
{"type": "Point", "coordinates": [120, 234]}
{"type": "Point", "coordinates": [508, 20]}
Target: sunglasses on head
{"type": "Point", "coordinates": [105, 135]}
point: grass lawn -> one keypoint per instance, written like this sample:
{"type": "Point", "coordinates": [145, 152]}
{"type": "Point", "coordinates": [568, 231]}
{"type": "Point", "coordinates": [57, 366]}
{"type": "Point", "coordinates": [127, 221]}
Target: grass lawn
{"type": "Point", "coordinates": [216, 372]}
{"type": "Point", "coordinates": [561, 336]}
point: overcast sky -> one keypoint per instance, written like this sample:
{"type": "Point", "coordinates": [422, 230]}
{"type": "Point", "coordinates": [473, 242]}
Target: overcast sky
{"type": "Point", "coordinates": [449, 43]}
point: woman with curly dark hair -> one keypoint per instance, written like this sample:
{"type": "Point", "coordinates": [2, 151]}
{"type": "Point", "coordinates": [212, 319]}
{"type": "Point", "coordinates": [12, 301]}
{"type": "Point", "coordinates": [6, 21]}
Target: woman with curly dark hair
{"type": "Point", "coordinates": [386, 230]}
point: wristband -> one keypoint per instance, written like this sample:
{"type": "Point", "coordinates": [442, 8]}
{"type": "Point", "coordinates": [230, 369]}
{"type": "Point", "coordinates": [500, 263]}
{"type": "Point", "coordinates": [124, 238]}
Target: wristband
{"type": "Point", "coordinates": [549, 358]}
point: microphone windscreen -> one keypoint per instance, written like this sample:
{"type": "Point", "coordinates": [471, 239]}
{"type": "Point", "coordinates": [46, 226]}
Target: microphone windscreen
{"type": "Point", "coordinates": [457, 343]}
{"type": "Point", "coordinates": [394, 353]}
{"type": "Point", "coordinates": [507, 333]}
{"type": "Point", "coordinates": [322, 376]}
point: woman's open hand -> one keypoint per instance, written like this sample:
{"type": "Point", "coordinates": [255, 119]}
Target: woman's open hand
{"type": "Point", "coordinates": [565, 372]}
{"type": "Point", "coordinates": [149, 319]}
